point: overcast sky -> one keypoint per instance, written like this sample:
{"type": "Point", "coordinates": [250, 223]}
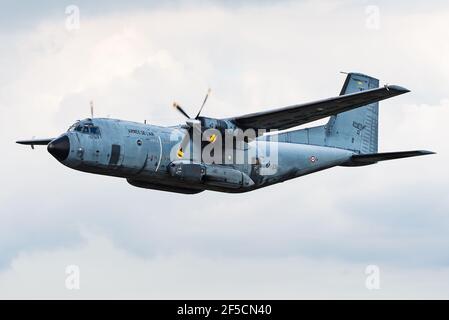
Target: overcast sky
{"type": "Point", "coordinates": [311, 237]}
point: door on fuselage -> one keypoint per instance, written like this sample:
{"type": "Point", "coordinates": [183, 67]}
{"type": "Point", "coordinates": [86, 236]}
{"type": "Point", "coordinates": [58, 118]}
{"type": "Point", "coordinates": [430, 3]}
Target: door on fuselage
{"type": "Point", "coordinates": [140, 153]}
{"type": "Point", "coordinates": [154, 154]}
{"type": "Point", "coordinates": [115, 157]}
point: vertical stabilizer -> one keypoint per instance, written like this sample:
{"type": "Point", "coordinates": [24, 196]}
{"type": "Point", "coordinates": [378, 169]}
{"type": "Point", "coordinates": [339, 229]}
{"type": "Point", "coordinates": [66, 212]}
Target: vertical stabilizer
{"type": "Point", "coordinates": [356, 129]}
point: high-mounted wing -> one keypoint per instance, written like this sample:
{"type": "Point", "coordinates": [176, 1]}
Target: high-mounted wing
{"type": "Point", "coordinates": [292, 116]}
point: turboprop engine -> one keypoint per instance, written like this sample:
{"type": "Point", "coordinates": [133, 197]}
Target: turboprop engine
{"type": "Point", "coordinates": [209, 174]}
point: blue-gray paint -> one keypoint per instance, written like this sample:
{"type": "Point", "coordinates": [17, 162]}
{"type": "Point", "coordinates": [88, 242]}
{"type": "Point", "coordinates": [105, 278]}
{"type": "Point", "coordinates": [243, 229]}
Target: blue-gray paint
{"type": "Point", "coordinates": [145, 155]}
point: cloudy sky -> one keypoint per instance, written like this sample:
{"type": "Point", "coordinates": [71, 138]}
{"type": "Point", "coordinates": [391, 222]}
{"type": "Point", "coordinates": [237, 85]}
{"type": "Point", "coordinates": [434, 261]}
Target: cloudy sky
{"type": "Point", "coordinates": [312, 237]}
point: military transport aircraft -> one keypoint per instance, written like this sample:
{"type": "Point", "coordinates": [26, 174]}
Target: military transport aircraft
{"type": "Point", "coordinates": [199, 155]}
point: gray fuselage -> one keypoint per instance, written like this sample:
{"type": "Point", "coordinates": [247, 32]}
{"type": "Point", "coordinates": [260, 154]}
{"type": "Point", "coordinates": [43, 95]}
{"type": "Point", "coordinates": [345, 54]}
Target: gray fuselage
{"type": "Point", "coordinates": [144, 154]}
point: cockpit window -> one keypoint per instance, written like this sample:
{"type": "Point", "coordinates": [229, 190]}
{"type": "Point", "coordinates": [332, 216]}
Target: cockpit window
{"type": "Point", "coordinates": [87, 128]}
{"type": "Point", "coordinates": [73, 126]}
{"type": "Point", "coordinates": [95, 130]}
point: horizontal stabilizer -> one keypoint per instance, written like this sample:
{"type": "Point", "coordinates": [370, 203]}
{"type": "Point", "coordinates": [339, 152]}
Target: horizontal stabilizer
{"type": "Point", "coordinates": [35, 142]}
{"type": "Point", "coordinates": [365, 159]}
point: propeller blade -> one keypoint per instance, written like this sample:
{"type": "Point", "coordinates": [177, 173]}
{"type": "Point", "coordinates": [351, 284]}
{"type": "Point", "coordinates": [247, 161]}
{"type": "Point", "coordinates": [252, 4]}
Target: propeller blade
{"type": "Point", "coordinates": [184, 142]}
{"type": "Point", "coordinates": [204, 102]}
{"type": "Point", "coordinates": [193, 130]}
{"type": "Point", "coordinates": [178, 107]}
{"type": "Point", "coordinates": [213, 138]}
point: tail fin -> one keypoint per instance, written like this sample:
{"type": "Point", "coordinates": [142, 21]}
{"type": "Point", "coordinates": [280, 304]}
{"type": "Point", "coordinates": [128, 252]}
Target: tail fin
{"type": "Point", "coordinates": [356, 129]}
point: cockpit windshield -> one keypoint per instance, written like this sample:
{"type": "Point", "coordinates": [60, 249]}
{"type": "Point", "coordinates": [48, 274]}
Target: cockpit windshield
{"type": "Point", "coordinates": [86, 127]}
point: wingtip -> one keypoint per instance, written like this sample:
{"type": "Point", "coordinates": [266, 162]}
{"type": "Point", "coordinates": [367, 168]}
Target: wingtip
{"type": "Point", "coordinates": [397, 88]}
{"type": "Point", "coordinates": [426, 152]}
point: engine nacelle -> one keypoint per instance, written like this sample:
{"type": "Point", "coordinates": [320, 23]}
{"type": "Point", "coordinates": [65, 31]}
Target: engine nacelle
{"type": "Point", "coordinates": [208, 174]}
{"type": "Point", "coordinates": [187, 171]}
{"type": "Point", "coordinates": [218, 124]}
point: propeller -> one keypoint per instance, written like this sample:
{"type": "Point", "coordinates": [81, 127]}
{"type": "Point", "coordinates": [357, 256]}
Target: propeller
{"type": "Point", "coordinates": [193, 124]}
{"type": "Point", "coordinates": [181, 110]}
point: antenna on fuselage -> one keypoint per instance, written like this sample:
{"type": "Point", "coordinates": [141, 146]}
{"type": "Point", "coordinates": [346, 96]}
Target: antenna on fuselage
{"type": "Point", "coordinates": [91, 109]}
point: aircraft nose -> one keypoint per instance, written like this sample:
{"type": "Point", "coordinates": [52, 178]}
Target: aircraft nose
{"type": "Point", "coordinates": [59, 148]}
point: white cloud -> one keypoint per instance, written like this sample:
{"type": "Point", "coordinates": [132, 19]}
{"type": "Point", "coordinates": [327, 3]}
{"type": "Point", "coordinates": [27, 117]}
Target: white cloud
{"type": "Point", "coordinates": [111, 273]}
{"type": "Point", "coordinates": [134, 64]}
